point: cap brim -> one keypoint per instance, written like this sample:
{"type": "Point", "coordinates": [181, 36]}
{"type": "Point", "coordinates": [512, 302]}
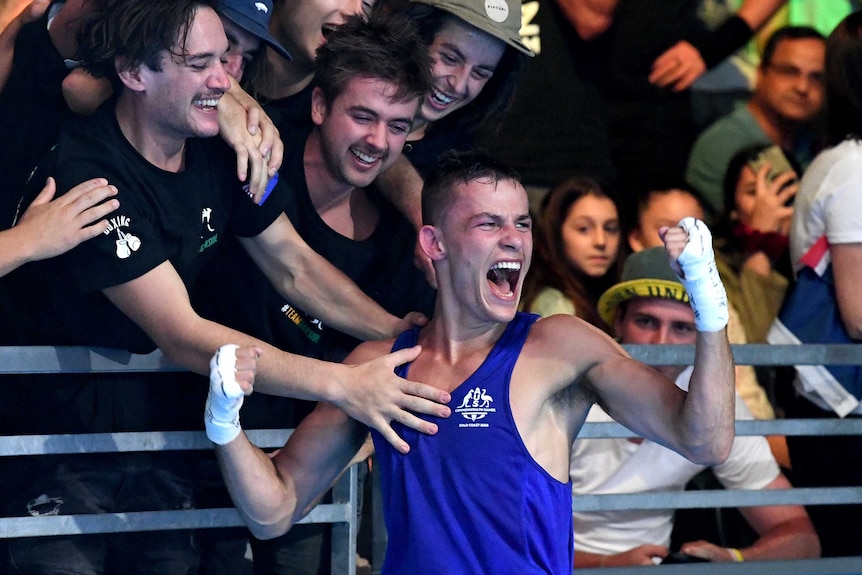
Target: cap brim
{"type": "Point", "coordinates": [648, 288]}
{"type": "Point", "coordinates": [254, 29]}
{"type": "Point", "coordinates": [484, 24]}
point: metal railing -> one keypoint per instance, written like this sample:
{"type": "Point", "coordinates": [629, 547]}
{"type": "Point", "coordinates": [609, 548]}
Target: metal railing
{"type": "Point", "coordinates": [749, 354]}
{"type": "Point", "coordinates": [342, 512]}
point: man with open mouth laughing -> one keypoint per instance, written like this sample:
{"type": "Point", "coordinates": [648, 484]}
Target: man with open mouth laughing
{"type": "Point", "coordinates": [489, 492]}
{"type": "Point", "coordinates": [128, 288]}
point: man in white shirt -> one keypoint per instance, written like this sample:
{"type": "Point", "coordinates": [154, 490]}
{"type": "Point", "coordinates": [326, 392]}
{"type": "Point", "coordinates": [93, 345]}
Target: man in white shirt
{"type": "Point", "coordinates": [650, 306]}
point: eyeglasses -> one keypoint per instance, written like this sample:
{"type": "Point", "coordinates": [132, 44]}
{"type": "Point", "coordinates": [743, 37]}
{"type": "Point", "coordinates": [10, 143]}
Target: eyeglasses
{"type": "Point", "coordinates": [789, 71]}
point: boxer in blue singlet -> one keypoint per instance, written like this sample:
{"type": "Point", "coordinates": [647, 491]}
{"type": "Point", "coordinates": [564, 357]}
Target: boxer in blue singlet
{"type": "Point", "coordinates": [487, 491]}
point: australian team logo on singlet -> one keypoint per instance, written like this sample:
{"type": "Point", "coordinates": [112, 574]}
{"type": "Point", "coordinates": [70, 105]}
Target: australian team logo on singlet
{"type": "Point", "coordinates": [474, 407]}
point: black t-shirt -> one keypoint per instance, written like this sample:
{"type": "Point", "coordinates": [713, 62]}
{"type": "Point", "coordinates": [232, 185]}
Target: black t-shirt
{"type": "Point", "coordinates": [238, 294]}
{"type": "Point", "coordinates": [651, 128]}
{"type": "Point", "coordinates": [291, 115]}
{"type": "Point", "coordinates": [439, 137]}
{"type": "Point", "coordinates": [557, 126]}
{"type": "Point", "coordinates": [163, 216]}
{"type": "Point", "coordinates": [32, 110]}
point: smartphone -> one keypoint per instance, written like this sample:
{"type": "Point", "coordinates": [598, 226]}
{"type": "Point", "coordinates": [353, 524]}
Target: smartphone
{"type": "Point", "coordinates": [679, 557]}
{"type": "Point", "coordinates": [778, 164]}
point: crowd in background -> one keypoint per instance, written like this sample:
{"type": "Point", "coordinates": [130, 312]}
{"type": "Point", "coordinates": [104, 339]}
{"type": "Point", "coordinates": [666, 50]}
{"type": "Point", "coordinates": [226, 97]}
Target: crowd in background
{"type": "Point", "coordinates": [621, 117]}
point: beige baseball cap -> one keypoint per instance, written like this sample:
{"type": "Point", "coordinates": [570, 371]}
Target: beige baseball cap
{"type": "Point", "coordinates": [499, 18]}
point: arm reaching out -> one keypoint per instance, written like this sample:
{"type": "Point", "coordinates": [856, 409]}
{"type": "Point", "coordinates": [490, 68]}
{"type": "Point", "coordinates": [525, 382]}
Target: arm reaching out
{"type": "Point", "coordinates": [51, 227]}
{"type": "Point", "coordinates": [271, 494]}
{"type": "Point", "coordinates": [311, 282]}
{"type": "Point", "coordinates": [369, 391]}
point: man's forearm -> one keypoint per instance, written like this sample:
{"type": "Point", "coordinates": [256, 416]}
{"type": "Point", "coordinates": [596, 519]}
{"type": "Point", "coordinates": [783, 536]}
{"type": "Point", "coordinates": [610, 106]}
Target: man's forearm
{"type": "Point", "coordinates": [260, 495]}
{"type": "Point", "coordinates": [322, 290]}
{"type": "Point", "coordinates": [710, 404]}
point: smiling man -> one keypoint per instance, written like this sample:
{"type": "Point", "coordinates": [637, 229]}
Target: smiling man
{"type": "Point", "coordinates": [787, 99]}
{"type": "Point", "coordinates": [370, 78]}
{"type": "Point", "coordinates": [650, 306]}
{"type": "Point", "coordinates": [129, 287]}
{"type": "Point", "coordinates": [489, 493]}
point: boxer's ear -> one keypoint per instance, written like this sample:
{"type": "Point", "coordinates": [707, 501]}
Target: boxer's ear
{"type": "Point", "coordinates": [430, 240]}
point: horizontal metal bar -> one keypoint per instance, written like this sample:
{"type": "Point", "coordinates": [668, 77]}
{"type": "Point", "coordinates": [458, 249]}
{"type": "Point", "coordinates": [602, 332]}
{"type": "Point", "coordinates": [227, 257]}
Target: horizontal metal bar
{"type": "Point", "coordinates": [705, 498]}
{"type": "Point", "coordinates": [273, 438]}
{"type": "Point", "coordinates": [803, 427]}
{"type": "Point", "coordinates": [127, 442]}
{"type": "Point", "coordinates": [73, 359]}
{"type": "Point", "coordinates": [13, 527]}
{"type": "Point", "coordinates": [46, 359]}
{"type": "Point", "coordinates": [754, 354]}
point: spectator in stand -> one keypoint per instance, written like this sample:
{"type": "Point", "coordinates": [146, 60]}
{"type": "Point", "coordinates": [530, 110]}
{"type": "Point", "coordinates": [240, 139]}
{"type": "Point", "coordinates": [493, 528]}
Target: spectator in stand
{"type": "Point", "coordinates": [826, 254]}
{"type": "Point", "coordinates": [476, 58]}
{"type": "Point", "coordinates": [39, 93]}
{"type": "Point", "coordinates": [359, 126]}
{"type": "Point", "coordinates": [650, 306]}
{"type": "Point", "coordinates": [657, 208]}
{"type": "Point", "coordinates": [783, 110]}
{"type": "Point", "coordinates": [751, 239]}
{"type": "Point", "coordinates": [476, 61]}
{"type": "Point", "coordinates": [301, 26]}
{"type": "Point", "coordinates": [577, 252]}
{"type": "Point", "coordinates": [128, 288]}
{"type": "Point", "coordinates": [753, 261]}
{"type": "Point", "coordinates": [615, 68]}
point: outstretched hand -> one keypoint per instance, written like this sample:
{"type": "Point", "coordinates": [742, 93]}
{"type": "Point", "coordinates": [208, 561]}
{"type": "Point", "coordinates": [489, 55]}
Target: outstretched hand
{"type": "Point", "coordinates": [54, 226]}
{"type": "Point", "coordinates": [376, 397]}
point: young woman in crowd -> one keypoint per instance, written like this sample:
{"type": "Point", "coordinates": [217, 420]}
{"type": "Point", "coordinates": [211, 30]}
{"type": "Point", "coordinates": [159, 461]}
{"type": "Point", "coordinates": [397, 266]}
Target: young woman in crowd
{"type": "Point", "coordinates": [751, 239]}
{"type": "Point", "coordinates": [577, 251]}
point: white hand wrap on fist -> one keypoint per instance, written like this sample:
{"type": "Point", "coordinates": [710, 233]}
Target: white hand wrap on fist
{"type": "Point", "coordinates": [221, 416]}
{"type": "Point", "coordinates": [705, 290]}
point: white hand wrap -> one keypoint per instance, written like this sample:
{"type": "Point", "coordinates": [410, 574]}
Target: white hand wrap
{"type": "Point", "coordinates": [705, 290]}
{"type": "Point", "coordinates": [221, 416]}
